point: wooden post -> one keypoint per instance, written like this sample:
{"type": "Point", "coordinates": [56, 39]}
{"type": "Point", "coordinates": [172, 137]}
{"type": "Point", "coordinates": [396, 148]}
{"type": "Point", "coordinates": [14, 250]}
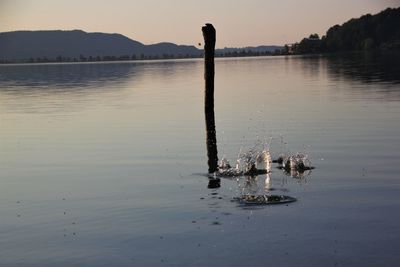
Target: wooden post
{"type": "Point", "coordinates": [209, 72]}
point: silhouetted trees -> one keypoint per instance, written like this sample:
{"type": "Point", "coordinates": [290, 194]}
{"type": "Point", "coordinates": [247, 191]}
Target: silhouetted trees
{"type": "Point", "coordinates": [380, 31]}
{"type": "Point", "coordinates": [312, 44]}
{"type": "Point", "coordinates": [246, 53]}
{"type": "Point", "coordinates": [367, 32]}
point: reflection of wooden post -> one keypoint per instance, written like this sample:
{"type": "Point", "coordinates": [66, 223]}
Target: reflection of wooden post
{"type": "Point", "coordinates": [209, 49]}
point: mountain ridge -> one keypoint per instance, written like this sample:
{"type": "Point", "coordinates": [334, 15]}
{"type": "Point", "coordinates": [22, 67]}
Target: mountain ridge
{"type": "Point", "coordinates": [78, 45]}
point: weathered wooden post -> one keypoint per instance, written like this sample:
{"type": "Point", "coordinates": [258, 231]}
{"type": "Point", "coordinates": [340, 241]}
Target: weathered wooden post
{"type": "Point", "coordinates": [209, 72]}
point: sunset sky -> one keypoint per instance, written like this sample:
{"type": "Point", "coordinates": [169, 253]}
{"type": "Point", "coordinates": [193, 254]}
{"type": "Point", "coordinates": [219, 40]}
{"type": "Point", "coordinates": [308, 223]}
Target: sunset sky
{"type": "Point", "coordinates": [238, 22]}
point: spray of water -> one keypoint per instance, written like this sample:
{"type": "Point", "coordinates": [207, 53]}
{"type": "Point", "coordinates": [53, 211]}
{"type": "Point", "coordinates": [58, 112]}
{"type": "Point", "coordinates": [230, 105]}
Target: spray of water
{"type": "Point", "coordinates": [258, 160]}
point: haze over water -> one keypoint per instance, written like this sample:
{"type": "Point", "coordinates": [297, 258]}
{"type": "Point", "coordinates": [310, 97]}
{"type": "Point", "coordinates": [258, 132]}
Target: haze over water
{"type": "Point", "coordinates": [104, 164]}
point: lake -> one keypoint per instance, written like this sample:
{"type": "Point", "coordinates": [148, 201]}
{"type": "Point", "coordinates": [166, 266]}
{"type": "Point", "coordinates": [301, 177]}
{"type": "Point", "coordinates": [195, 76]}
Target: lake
{"type": "Point", "coordinates": [105, 164]}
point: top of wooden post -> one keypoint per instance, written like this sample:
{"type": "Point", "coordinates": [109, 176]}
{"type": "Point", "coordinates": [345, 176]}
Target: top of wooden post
{"type": "Point", "coordinates": [209, 35]}
{"type": "Point", "coordinates": [208, 29]}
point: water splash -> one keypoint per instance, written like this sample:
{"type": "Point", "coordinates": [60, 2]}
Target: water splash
{"type": "Point", "coordinates": [298, 162]}
{"type": "Point", "coordinates": [255, 160]}
{"type": "Point", "coordinates": [297, 165]}
{"type": "Point", "coordinates": [252, 162]}
{"type": "Point", "coordinates": [253, 168]}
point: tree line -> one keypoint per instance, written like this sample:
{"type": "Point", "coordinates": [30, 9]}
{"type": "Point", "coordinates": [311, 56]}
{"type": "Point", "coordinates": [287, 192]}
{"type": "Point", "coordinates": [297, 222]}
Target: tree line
{"type": "Point", "coordinates": [247, 53]}
{"type": "Point", "coordinates": [369, 32]}
{"type": "Point", "coordinates": [83, 58]}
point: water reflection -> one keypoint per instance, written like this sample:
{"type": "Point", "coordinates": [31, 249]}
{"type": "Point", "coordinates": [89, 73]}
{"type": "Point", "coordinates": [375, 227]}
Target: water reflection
{"type": "Point", "coordinates": [214, 183]}
{"type": "Point", "coordinates": [365, 67]}
{"type": "Point", "coordinates": [50, 88]}
{"type": "Point", "coordinates": [267, 182]}
{"type": "Point", "coordinates": [63, 76]}
{"type": "Point", "coordinates": [311, 66]}
{"type": "Point", "coordinates": [56, 88]}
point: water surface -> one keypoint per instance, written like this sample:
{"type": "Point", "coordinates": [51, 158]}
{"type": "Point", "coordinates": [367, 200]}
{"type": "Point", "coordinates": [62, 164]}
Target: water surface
{"type": "Point", "coordinates": [104, 164]}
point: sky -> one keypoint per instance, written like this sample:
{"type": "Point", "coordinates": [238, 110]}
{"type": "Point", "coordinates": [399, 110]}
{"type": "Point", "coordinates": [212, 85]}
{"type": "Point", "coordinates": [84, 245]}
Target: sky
{"type": "Point", "coordinates": [238, 23]}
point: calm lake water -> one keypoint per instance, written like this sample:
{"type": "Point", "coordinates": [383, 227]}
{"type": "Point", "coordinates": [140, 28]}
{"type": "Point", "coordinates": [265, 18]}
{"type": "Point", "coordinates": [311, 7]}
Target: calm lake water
{"type": "Point", "coordinates": [105, 164]}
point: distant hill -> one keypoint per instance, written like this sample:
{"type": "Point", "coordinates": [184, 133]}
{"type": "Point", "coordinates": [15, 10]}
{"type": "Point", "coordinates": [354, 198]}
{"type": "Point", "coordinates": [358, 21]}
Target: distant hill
{"type": "Point", "coordinates": [78, 45]}
{"type": "Point", "coordinates": [379, 31]}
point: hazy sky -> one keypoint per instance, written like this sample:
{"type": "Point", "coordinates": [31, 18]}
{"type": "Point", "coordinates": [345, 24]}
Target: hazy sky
{"type": "Point", "coordinates": [238, 22]}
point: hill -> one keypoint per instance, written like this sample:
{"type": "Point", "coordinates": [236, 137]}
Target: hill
{"type": "Point", "coordinates": [77, 45]}
{"type": "Point", "coordinates": [367, 32]}
{"type": "Point", "coordinates": [379, 31]}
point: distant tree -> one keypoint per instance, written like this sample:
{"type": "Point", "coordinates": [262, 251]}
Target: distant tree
{"type": "Point", "coordinates": [314, 36]}
{"type": "Point", "coordinates": [285, 49]}
{"type": "Point", "coordinates": [123, 57]}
